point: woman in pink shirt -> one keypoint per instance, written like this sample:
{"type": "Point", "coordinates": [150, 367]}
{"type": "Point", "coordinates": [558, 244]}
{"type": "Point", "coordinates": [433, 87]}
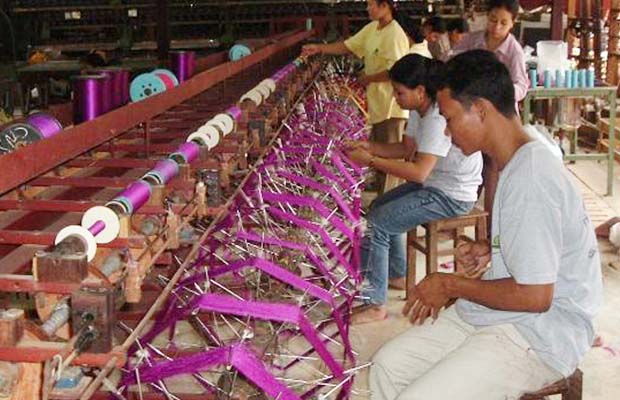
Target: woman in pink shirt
{"type": "Point", "coordinates": [498, 39]}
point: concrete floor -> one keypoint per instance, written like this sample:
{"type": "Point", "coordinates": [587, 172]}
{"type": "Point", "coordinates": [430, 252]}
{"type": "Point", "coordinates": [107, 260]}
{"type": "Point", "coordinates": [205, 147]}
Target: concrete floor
{"type": "Point", "coordinates": [601, 366]}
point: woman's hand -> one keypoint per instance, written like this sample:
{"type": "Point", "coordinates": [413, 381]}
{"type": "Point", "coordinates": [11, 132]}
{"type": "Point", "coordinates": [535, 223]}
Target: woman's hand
{"type": "Point", "coordinates": [310, 50]}
{"type": "Point", "coordinates": [360, 156]}
{"type": "Point", "coordinates": [351, 145]}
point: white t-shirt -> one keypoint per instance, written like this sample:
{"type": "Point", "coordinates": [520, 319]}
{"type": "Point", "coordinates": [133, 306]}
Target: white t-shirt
{"type": "Point", "coordinates": [541, 235]}
{"type": "Point", "coordinates": [455, 174]}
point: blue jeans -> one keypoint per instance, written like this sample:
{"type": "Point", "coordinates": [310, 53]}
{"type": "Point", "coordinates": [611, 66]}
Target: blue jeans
{"type": "Point", "coordinates": [391, 216]}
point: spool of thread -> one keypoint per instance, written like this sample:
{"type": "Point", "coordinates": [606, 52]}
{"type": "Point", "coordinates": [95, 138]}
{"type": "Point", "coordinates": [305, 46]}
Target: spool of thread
{"type": "Point", "coordinates": [96, 228]}
{"type": "Point", "coordinates": [186, 153]}
{"type": "Point", "coordinates": [547, 78]}
{"type": "Point", "coordinates": [87, 97]}
{"type": "Point", "coordinates": [568, 78]}
{"type": "Point", "coordinates": [125, 79]}
{"type": "Point", "coordinates": [575, 75]}
{"type": "Point", "coordinates": [167, 77]}
{"type": "Point", "coordinates": [136, 194]}
{"type": "Point", "coordinates": [533, 78]}
{"type": "Point", "coordinates": [183, 64]}
{"type": "Point", "coordinates": [558, 78]}
{"type": "Point", "coordinates": [234, 112]}
{"type": "Point", "coordinates": [107, 93]}
{"type": "Point", "coordinates": [117, 77]}
{"type": "Point", "coordinates": [46, 124]}
{"type": "Point", "coordinates": [590, 78]}
{"type": "Point", "coordinates": [582, 78]}
{"type": "Point", "coordinates": [238, 51]}
{"type": "Point", "coordinates": [163, 172]}
{"type": "Point", "coordinates": [18, 135]}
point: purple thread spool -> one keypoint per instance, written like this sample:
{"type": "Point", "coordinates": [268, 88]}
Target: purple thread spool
{"type": "Point", "coordinates": [87, 94]}
{"type": "Point", "coordinates": [107, 94]}
{"type": "Point", "coordinates": [47, 125]}
{"type": "Point", "coordinates": [183, 64]}
{"type": "Point", "coordinates": [97, 227]}
{"type": "Point", "coordinates": [125, 75]}
{"type": "Point", "coordinates": [117, 75]}
{"type": "Point", "coordinates": [234, 112]}
{"type": "Point", "coordinates": [187, 152]}
{"type": "Point", "coordinates": [137, 194]}
{"type": "Point", "coordinates": [163, 172]}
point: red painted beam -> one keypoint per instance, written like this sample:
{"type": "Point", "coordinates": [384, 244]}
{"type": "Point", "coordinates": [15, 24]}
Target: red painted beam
{"type": "Point", "coordinates": [47, 239]}
{"type": "Point", "coordinates": [26, 283]}
{"type": "Point", "coordinates": [30, 161]}
{"type": "Point", "coordinates": [100, 182]}
{"type": "Point", "coordinates": [37, 352]}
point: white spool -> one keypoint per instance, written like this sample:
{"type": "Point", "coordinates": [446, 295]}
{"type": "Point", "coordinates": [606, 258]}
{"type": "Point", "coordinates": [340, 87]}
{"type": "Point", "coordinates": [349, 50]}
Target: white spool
{"type": "Point", "coordinates": [87, 238]}
{"type": "Point", "coordinates": [253, 96]}
{"type": "Point", "coordinates": [228, 121]}
{"type": "Point", "coordinates": [108, 217]}
{"type": "Point", "coordinates": [218, 124]}
{"type": "Point", "coordinates": [198, 137]}
{"type": "Point", "coordinates": [270, 83]}
{"type": "Point", "coordinates": [263, 90]}
{"type": "Point", "coordinates": [212, 135]}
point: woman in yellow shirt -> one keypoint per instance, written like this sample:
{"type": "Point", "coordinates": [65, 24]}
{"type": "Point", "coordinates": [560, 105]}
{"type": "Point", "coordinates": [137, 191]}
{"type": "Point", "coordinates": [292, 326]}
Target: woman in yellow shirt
{"type": "Point", "coordinates": [380, 43]}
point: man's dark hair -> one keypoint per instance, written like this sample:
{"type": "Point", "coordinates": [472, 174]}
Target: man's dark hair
{"type": "Point", "coordinates": [478, 74]}
{"type": "Point", "coordinates": [414, 70]}
{"type": "Point", "coordinates": [411, 28]}
{"type": "Point", "coordinates": [390, 3]}
{"type": "Point", "coordinates": [437, 24]}
{"type": "Point", "coordinates": [512, 6]}
{"type": "Point", "coordinates": [460, 25]}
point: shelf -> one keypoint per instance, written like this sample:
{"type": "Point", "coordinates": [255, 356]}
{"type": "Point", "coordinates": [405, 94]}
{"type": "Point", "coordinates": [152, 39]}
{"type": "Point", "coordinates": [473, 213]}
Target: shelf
{"type": "Point", "coordinates": [31, 10]}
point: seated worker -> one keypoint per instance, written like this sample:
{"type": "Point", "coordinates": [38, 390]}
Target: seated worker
{"type": "Point", "coordinates": [442, 182]}
{"type": "Point", "coordinates": [528, 322]}
{"type": "Point", "coordinates": [434, 29]}
{"type": "Point", "coordinates": [457, 30]}
{"type": "Point", "coordinates": [417, 42]}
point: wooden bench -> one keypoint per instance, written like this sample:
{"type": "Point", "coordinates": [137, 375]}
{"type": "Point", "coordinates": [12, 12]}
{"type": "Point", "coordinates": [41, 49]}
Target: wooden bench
{"type": "Point", "coordinates": [570, 388]}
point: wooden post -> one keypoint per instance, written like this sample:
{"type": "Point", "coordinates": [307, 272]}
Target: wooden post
{"type": "Point", "coordinates": [163, 30]}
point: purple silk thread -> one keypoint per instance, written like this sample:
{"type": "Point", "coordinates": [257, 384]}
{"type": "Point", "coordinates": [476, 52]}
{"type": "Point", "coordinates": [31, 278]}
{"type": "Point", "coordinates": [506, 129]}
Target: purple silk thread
{"type": "Point", "coordinates": [97, 227]}
{"type": "Point", "coordinates": [124, 78]}
{"type": "Point", "coordinates": [167, 169]}
{"type": "Point", "coordinates": [47, 125]}
{"type": "Point", "coordinates": [137, 193]}
{"type": "Point", "coordinates": [183, 64]}
{"type": "Point", "coordinates": [234, 112]}
{"type": "Point", "coordinates": [87, 94]}
{"type": "Point", "coordinates": [107, 93]}
{"type": "Point", "coordinates": [188, 150]}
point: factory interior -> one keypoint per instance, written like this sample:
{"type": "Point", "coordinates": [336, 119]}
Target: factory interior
{"type": "Point", "coordinates": [303, 199]}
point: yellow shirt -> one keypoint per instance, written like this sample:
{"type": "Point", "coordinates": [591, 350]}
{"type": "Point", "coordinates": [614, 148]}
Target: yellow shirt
{"type": "Point", "coordinates": [380, 49]}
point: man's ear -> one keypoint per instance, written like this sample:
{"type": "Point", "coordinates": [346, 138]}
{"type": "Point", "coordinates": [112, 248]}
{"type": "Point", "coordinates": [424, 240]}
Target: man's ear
{"type": "Point", "coordinates": [482, 107]}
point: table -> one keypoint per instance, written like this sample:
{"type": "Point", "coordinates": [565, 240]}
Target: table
{"type": "Point", "coordinates": [609, 92]}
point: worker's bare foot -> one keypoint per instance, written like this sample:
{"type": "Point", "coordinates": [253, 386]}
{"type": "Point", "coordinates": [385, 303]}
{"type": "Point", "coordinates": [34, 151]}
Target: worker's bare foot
{"type": "Point", "coordinates": [366, 314]}
{"type": "Point", "coordinates": [398, 283]}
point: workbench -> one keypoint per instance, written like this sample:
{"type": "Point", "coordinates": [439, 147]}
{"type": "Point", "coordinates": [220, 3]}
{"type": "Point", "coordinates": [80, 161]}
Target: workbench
{"type": "Point", "coordinates": [604, 91]}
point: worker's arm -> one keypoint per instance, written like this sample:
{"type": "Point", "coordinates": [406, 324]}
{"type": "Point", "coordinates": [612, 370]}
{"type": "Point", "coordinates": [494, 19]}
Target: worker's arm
{"type": "Point", "coordinates": [434, 292]}
{"type": "Point", "coordinates": [336, 48]}
{"type": "Point", "coordinates": [416, 170]}
{"type": "Point", "coordinates": [382, 76]}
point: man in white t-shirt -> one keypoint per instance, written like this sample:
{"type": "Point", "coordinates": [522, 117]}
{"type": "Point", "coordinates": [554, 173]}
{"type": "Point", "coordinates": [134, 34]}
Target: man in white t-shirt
{"type": "Point", "coordinates": [528, 321]}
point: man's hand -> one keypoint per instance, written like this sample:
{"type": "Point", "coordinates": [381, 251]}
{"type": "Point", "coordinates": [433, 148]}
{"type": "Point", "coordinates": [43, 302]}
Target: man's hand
{"type": "Point", "coordinates": [310, 50]}
{"type": "Point", "coordinates": [363, 79]}
{"type": "Point", "coordinates": [360, 156]}
{"type": "Point", "coordinates": [426, 299]}
{"type": "Point", "coordinates": [474, 257]}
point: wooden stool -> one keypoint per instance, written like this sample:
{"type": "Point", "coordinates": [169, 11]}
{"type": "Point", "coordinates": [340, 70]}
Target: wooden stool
{"type": "Point", "coordinates": [453, 227]}
{"type": "Point", "coordinates": [570, 388]}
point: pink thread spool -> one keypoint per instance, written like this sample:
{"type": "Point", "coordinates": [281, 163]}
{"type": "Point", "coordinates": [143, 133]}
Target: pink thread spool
{"type": "Point", "coordinates": [186, 153]}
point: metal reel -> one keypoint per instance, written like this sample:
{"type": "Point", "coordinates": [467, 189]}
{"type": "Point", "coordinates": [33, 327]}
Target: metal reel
{"type": "Point", "coordinates": [146, 85]}
{"type": "Point", "coordinates": [18, 135]}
